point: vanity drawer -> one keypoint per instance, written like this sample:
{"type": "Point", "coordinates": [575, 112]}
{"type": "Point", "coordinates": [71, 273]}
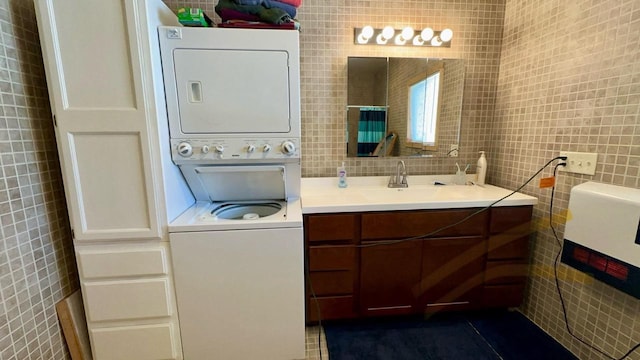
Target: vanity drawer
{"type": "Point", "coordinates": [331, 282]}
{"type": "Point", "coordinates": [508, 246]}
{"type": "Point", "coordinates": [104, 262]}
{"type": "Point", "coordinates": [125, 300]}
{"type": "Point", "coordinates": [155, 341]}
{"type": "Point", "coordinates": [503, 295]}
{"type": "Point", "coordinates": [505, 272]}
{"type": "Point", "coordinates": [332, 227]}
{"type": "Point", "coordinates": [331, 308]}
{"type": "Point", "coordinates": [338, 257]}
{"type": "Point", "coordinates": [399, 224]}
{"type": "Point", "coordinates": [512, 219]}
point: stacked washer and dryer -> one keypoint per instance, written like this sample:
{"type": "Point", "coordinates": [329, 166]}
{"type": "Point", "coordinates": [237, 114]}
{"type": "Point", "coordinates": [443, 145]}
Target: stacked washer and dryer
{"type": "Point", "coordinates": [233, 101]}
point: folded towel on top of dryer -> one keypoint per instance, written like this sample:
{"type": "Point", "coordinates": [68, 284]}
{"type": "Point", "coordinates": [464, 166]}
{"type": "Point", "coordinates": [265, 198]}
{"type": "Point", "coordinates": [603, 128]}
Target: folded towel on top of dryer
{"type": "Point", "coordinates": [290, 9]}
{"type": "Point", "coordinates": [272, 15]}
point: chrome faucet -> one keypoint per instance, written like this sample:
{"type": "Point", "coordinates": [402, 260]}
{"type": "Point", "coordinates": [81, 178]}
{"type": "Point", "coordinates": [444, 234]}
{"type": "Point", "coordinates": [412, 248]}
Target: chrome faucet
{"type": "Point", "coordinates": [400, 179]}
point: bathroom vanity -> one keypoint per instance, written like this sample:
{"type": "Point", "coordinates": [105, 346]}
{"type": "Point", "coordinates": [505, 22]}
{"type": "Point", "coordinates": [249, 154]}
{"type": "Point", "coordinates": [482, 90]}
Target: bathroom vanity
{"type": "Point", "coordinates": [374, 251]}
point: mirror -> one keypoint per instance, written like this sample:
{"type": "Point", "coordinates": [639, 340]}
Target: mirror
{"type": "Point", "coordinates": [379, 106]}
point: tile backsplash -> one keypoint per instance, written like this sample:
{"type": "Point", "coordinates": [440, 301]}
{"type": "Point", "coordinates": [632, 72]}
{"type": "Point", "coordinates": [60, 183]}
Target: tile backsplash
{"type": "Point", "coordinates": [37, 266]}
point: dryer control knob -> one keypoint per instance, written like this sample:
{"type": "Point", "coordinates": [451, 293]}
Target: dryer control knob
{"type": "Point", "coordinates": [185, 149]}
{"type": "Point", "coordinates": [205, 149]}
{"type": "Point", "coordinates": [266, 148]}
{"type": "Point", "coordinates": [219, 149]}
{"type": "Point", "coordinates": [251, 148]}
{"type": "Point", "coordinates": [288, 147]}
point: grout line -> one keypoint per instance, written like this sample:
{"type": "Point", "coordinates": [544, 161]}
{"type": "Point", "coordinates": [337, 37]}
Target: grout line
{"type": "Point", "coordinates": [484, 339]}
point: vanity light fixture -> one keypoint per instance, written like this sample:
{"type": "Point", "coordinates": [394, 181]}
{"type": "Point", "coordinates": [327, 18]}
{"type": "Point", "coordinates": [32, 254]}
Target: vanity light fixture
{"type": "Point", "coordinates": [368, 35]}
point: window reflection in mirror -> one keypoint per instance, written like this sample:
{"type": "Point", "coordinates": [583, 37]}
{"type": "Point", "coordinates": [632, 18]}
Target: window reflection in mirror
{"type": "Point", "coordinates": [379, 87]}
{"type": "Point", "coordinates": [423, 110]}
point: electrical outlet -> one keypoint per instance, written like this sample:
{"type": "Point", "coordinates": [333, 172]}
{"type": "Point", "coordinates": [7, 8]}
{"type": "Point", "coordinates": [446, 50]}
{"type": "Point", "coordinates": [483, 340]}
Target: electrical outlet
{"type": "Point", "coordinates": [579, 162]}
{"type": "Point", "coordinates": [453, 152]}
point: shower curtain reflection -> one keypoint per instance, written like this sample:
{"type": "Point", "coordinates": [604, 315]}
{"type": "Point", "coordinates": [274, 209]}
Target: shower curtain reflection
{"type": "Point", "coordinates": [371, 129]}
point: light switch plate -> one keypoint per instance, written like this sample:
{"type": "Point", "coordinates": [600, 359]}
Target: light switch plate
{"type": "Point", "coordinates": [579, 162]}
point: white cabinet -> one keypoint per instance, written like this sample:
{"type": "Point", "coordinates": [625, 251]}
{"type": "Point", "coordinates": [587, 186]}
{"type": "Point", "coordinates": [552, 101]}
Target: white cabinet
{"type": "Point", "coordinates": [103, 74]}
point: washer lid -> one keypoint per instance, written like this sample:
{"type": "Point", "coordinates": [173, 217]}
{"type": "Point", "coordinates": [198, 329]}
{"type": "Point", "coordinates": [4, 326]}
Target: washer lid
{"type": "Point", "coordinates": [238, 182]}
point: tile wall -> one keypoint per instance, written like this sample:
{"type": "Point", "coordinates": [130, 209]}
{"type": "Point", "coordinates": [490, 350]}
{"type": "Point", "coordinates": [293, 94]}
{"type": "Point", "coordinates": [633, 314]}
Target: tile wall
{"type": "Point", "coordinates": [326, 40]}
{"type": "Point", "coordinates": [37, 267]}
{"type": "Point", "coordinates": [570, 80]}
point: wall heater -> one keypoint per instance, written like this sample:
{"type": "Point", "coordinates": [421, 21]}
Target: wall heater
{"type": "Point", "coordinates": [602, 234]}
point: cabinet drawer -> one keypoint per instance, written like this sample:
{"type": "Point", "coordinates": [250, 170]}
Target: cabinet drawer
{"type": "Point", "coordinates": [331, 308]}
{"type": "Point", "coordinates": [332, 282]}
{"type": "Point", "coordinates": [505, 272]}
{"type": "Point", "coordinates": [95, 263]}
{"type": "Point", "coordinates": [332, 257]}
{"type": "Point", "coordinates": [399, 224]}
{"type": "Point", "coordinates": [119, 300]}
{"type": "Point", "coordinates": [516, 219]}
{"type": "Point", "coordinates": [134, 342]}
{"type": "Point", "coordinates": [330, 227]}
{"type": "Point", "coordinates": [508, 246]}
{"type": "Point", "coordinates": [503, 295]}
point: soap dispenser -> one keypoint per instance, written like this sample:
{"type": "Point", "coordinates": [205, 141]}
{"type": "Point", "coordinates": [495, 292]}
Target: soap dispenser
{"type": "Point", "coordinates": [342, 176]}
{"type": "Point", "coordinates": [481, 169]}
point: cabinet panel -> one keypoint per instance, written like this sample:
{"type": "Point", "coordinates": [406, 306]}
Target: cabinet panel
{"type": "Point", "coordinates": [389, 278]}
{"type": "Point", "coordinates": [147, 342]}
{"type": "Point", "coordinates": [340, 257]}
{"type": "Point", "coordinates": [120, 300]}
{"type": "Point", "coordinates": [331, 308]}
{"type": "Point", "coordinates": [502, 295]}
{"type": "Point", "coordinates": [516, 219]}
{"type": "Point", "coordinates": [508, 246]}
{"type": "Point", "coordinates": [98, 262]}
{"type": "Point", "coordinates": [505, 272]}
{"type": "Point", "coordinates": [332, 282]}
{"type": "Point", "coordinates": [398, 224]}
{"type": "Point", "coordinates": [330, 227]}
{"type": "Point", "coordinates": [452, 270]}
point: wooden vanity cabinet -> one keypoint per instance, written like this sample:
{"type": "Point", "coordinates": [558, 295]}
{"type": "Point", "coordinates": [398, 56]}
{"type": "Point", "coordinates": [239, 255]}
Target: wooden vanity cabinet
{"type": "Point", "coordinates": [359, 268]}
{"type": "Point", "coordinates": [507, 256]}
{"type": "Point", "coordinates": [332, 265]}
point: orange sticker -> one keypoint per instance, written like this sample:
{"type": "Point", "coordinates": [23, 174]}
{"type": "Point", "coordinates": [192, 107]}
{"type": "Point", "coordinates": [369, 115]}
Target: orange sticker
{"type": "Point", "coordinates": [547, 182]}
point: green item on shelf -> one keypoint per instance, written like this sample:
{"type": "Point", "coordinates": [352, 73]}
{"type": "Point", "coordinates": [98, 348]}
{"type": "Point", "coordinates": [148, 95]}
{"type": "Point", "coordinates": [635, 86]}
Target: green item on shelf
{"type": "Point", "coordinates": [193, 17]}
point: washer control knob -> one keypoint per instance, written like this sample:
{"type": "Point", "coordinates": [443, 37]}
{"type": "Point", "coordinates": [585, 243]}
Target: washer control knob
{"type": "Point", "coordinates": [288, 147]}
{"type": "Point", "coordinates": [205, 149]}
{"type": "Point", "coordinates": [251, 148]}
{"type": "Point", "coordinates": [266, 148]}
{"type": "Point", "coordinates": [219, 149]}
{"type": "Point", "coordinates": [185, 149]}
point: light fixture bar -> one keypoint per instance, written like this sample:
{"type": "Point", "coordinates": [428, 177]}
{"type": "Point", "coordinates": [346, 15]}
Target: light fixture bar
{"type": "Point", "coordinates": [402, 37]}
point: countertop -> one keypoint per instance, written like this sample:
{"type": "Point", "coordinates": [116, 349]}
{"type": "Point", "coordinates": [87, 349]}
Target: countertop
{"type": "Point", "coordinates": [370, 193]}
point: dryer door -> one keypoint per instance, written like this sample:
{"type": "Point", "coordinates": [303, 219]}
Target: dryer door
{"type": "Point", "coordinates": [232, 91]}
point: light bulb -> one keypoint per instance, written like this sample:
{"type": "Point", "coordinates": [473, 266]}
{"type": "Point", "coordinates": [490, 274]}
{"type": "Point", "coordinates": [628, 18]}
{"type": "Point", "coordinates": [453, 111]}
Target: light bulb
{"type": "Point", "coordinates": [362, 39]}
{"type": "Point", "coordinates": [407, 33]}
{"type": "Point", "coordinates": [426, 34]}
{"type": "Point", "coordinates": [380, 40]}
{"type": "Point", "coordinates": [417, 40]}
{"type": "Point", "coordinates": [435, 41]}
{"type": "Point", "coordinates": [446, 35]}
{"type": "Point", "coordinates": [400, 40]}
{"type": "Point", "coordinates": [367, 32]}
{"type": "Point", "coordinates": [387, 32]}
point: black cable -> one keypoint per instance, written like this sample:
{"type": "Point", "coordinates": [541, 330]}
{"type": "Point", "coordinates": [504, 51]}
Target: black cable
{"type": "Point", "coordinates": [420, 237]}
{"type": "Point", "coordinates": [555, 272]}
{"type": "Point", "coordinates": [315, 300]}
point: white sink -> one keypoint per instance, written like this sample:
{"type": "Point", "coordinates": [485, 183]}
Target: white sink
{"type": "Point", "coordinates": [370, 193]}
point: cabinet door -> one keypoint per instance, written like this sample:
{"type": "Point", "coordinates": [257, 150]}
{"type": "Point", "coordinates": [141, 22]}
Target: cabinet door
{"type": "Point", "coordinates": [99, 85]}
{"type": "Point", "coordinates": [389, 278]}
{"type": "Point", "coordinates": [452, 272]}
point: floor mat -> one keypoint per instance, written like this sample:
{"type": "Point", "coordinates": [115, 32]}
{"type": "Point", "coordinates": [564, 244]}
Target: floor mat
{"type": "Point", "coordinates": [515, 337]}
{"type": "Point", "coordinates": [407, 339]}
